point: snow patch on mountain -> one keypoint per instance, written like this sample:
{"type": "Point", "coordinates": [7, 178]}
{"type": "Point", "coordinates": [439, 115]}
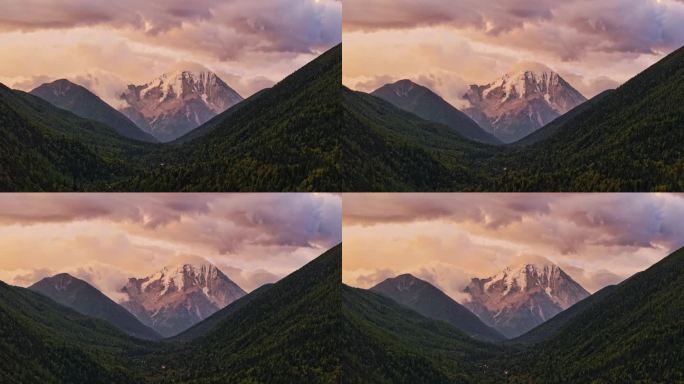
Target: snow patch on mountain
{"type": "Point", "coordinates": [519, 103]}
{"type": "Point", "coordinates": [177, 297]}
{"type": "Point", "coordinates": [521, 297]}
{"type": "Point", "coordinates": [177, 102]}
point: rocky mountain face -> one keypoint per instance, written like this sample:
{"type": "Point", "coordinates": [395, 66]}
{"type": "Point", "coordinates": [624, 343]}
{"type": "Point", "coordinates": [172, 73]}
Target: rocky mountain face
{"type": "Point", "coordinates": [522, 297]}
{"type": "Point", "coordinates": [83, 103]}
{"type": "Point", "coordinates": [88, 300]}
{"type": "Point", "coordinates": [431, 302]}
{"type": "Point", "coordinates": [174, 104]}
{"type": "Point", "coordinates": [520, 103]}
{"type": "Point", "coordinates": [175, 298]}
{"type": "Point", "coordinates": [427, 105]}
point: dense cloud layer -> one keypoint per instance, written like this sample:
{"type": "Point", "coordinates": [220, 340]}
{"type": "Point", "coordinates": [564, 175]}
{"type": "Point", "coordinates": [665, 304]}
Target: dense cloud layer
{"type": "Point", "coordinates": [225, 28]}
{"type": "Point", "coordinates": [569, 27]}
{"type": "Point", "coordinates": [446, 45]}
{"type": "Point", "coordinates": [250, 44]}
{"type": "Point", "coordinates": [598, 239]}
{"type": "Point", "coordinates": [106, 238]}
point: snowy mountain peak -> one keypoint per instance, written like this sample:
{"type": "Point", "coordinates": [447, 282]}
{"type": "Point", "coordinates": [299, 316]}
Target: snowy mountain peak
{"type": "Point", "coordinates": [526, 277]}
{"type": "Point", "coordinates": [181, 84]}
{"type": "Point", "coordinates": [518, 103]}
{"type": "Point", "coordinates": [177, 102]}
{"type": "Point", "coordinates": [176, 297]}
{"type": "Point", "coordinates": [523, 296]}
{"type": "Point", "coordinates": [526, 83]}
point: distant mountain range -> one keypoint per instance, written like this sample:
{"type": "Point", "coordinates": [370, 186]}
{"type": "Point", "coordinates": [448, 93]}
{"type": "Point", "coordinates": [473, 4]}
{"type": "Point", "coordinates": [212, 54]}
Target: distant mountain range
{"type": "Point", "coordinates": [175, 103]}
{"type": "Point", "coordinates": [284, 332]}
{"type": "Point", "coordinates": [522, 297]}
{"type": "Point", "coordinates": [426, 104]}
{"type": "Point", "coordinates": [164, 109]}
{"type": "Point", "coordinates": [518, 104]}
{"type": "Point", "coordinates": [625, 333]}
{"type": "Point", "coordinates": [429, 301]}
{"type": "Point", "coordinates": [178, 297]}
{"type": "Point", "coordinates": [87, 300]}
{"type": "Point", "coordinates": [628, 139]}
{"type": "Point", "coordinates": [285, 138]}
{"type": "Point", "coordinates": [81, 102]}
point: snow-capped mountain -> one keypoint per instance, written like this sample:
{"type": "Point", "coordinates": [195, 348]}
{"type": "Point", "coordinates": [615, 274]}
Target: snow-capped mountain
{"type": "Point", "coordinates": [177, 297]}
{"type": "Point", "coordinates": [518, 104]}
{"type": "Point", "coordinates": [519, 298]}
{"type": "Point", "coordinates": [176, 103]}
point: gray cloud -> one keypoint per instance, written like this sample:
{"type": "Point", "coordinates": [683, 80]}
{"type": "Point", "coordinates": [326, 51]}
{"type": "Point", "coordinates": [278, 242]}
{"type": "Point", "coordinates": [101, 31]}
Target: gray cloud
{"type": "Point", "coordinates": [568, 222]}
{"type": "Point", "coordinates": [569, 28]}
{"type": "Point", "coordinates": [228, 222]}
{"type": "Point", "coordinates": [225, 29]}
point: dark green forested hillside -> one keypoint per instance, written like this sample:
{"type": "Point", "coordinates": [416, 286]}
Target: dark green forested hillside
{"type": "Point", "coordinates": [284, 333]}
{"type": "Point", "coordinates": [88, 300]}
{"type": "Point", "coordinates": [77, 99]}
{"type": "Point", "coordinates": [43, 342]}
{"type": "Point", "coordinates": [635, 333]}
{"type": "Point", "coordinates": [427, 105]}
{"type": "Point", "coordinates": [384, 342]}
{"type": "Point", "coordinates": [288, 333]}
{"type": "Point", "coordinates": [388, 149]}
{"type": "Point", "coordinates": [632, 332]}
{"type": "Point", "coordinates": [429, 301]}
{"type": "Point", "coordinates": [43, 147]}
{"type": "Point", "coordinates": [286, 138]}
{"type": "Point", "coordinates": [549, 328]}
{"type": "Point", "coordinates": [631, 139]}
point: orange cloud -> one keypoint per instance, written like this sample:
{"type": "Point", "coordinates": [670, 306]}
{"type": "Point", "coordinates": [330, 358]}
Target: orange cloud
{"type": "Point", "coordinates": [448, 46]}
{"type": "Point", "coordinates": [447, 239]}
{"type": "Point", "coordinates": [106, 238]}
{"type": "Point", "coordinates": [107, 45]}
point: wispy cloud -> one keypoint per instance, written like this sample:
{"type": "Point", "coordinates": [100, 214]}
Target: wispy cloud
{"type": "Point", "coordinates": [105, 238]}
{"type": "Point", "coordinates": [598, 239]}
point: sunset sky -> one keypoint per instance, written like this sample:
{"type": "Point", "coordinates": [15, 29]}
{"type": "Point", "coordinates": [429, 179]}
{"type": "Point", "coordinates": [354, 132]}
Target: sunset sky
{"type": "Point", "coordinates": [107, 238]}
{"type": "Point", "coordinates": [448, 45]}
{"type": "Point", "coordinates": [105, 45]}
{"type": "Point", "coordinates": [447, 239]}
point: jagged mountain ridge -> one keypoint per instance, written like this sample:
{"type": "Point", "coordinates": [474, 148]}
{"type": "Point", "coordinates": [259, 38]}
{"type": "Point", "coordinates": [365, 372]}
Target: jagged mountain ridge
{"type": "Point", "coordinates": [518, 104]}
{"type": "Point", "coordinates": [88, 300]}
{"type": "Point", "coordinates": [430, 301]}
{"type": "Point", "coordinates": [177, 297]}
{"type": "Point", "coordinates": [427, 105]}
{"type": "Point", "coordinates": [175, 103]}
{"type": "Point", "coordinates": [83, 103]}
{"type": "Point", "coordinates": [520, 298]}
